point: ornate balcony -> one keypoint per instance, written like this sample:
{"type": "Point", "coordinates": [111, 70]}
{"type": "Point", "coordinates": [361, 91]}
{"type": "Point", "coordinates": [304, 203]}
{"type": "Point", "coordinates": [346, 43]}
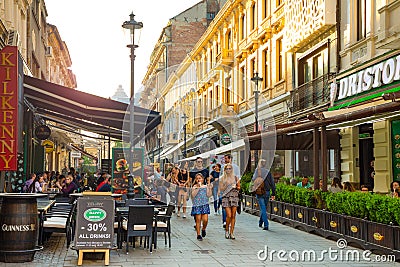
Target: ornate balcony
{"type": "Point", "coordinates": [311, 94]}
{"type": "Point", "coordinates": [224, 59]}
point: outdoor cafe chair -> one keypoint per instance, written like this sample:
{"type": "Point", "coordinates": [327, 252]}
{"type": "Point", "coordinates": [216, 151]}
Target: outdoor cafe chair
{"type": "Point", "coordinates": [164, 225]}
{"type": "Point", "coordinates": [139, 224]}
{"type": "Point", "coordinates": [59, 222]}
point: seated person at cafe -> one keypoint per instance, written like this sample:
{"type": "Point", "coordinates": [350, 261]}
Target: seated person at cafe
{"type": "Point", "coordinates": [304, 183]}
{"type": "Point", "coordinates": [105, 186]}
{"type": "Point", "coordinates": [28, 183]}
{"type": "Point", "coordinates": [101, 181]}
{"type": "Point", "coordinates": [69, 187]}
{"type": "Point", "coordinates": [40, 185]}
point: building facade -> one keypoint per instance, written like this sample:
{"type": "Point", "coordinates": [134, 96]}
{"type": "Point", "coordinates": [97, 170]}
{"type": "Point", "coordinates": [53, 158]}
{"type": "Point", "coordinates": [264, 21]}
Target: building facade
{"type": "Point", "coordinates": [369, 67]}
{"type": "Point", "coordinates": [176, 40]}
{"type": "Point", "coordinates": [45, 56]}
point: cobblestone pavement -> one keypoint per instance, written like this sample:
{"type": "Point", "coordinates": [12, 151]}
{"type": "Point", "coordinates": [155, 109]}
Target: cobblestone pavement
{"type": "Point", "coordinates": [214, 250]}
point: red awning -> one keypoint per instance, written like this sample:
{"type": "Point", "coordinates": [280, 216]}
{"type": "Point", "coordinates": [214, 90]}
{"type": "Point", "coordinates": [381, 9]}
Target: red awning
{"type": "Point", "coordinates": [80, 110]}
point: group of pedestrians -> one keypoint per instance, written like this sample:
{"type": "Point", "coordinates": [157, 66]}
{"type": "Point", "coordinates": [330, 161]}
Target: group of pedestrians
{"type": "Point", "coordinates": [222, 183]}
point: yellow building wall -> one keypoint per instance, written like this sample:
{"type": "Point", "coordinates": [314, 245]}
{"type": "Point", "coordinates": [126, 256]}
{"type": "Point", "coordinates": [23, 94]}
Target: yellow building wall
{"type": "Point", "coordinates": [382, 154]}
{"type": "Point", "coordinates": [349, 155]}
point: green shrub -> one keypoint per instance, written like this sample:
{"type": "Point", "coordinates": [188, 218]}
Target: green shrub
{"type": "Point", "coordinates": [379, 209]}
{"type": "Point", "coordinates": [374, 207]}
{"type": "Point", "coordinates": [245, 182]}
{"type": "Point", "coordinates": [304, 197]}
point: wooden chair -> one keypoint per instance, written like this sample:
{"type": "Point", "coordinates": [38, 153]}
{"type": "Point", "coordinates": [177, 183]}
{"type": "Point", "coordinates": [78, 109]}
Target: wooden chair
{"type": "Point", "coordinates": [139, 224]}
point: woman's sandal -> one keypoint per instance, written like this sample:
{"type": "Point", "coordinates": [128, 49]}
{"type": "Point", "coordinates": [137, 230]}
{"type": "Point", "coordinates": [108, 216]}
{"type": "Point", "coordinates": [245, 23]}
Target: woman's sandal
{"type": "Point", "coordinates": [232, 236]}
{"type": "Point", "coordinates": [227, 235]}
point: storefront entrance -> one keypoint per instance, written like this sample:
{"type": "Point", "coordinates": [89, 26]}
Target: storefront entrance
{"type": "Point", "coordinates": [366, 152]}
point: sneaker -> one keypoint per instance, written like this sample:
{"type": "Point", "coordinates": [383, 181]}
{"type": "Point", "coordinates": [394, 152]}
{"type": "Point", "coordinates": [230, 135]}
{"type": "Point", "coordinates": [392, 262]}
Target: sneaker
{"type": "Point", "coordinates": [260, 224]}
{"type": "Point", "coordinates": [215, 213]}
{"type": "Point", "coordinates": [178, 214]}
{"type": "Point", "coordinates": [203, 233]}
{"type": "Point", "coordinates": [199, 238]}
{"type": "Point", "coordinates": [265, 228]}
{"type": "Point", "coordinates": [232, 236]}
{"type": "Point", "coordinates": [224, 225]}
{"type": "Point", "coordinates": [184, 216]}
{"type": "Point", "coordinates": [227, 236]}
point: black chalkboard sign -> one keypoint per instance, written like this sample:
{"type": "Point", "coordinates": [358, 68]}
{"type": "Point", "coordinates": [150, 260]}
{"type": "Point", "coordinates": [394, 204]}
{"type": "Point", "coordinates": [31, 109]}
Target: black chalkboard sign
{"type": "Point", "coordinates": [95, 223]}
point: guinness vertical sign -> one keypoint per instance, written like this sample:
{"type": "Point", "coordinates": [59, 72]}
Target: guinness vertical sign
{"type": "Point", "coordinates": [8, 108]}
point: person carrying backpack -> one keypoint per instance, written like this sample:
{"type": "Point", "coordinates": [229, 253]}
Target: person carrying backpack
{"type": "Point", "coordinates": [263, 184]}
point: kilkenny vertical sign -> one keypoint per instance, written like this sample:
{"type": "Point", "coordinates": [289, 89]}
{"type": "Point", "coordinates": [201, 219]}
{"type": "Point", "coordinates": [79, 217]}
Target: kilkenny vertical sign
{"type": "Point", "coordinates": [8, 108]}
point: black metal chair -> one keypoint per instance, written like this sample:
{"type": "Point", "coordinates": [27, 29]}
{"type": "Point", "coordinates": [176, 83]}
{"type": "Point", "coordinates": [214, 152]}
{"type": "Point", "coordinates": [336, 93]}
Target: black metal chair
{"type": "Point", "coordinates": [139, 224]}
{"type": "Point", "coordinates": [60, 222]}
{"type": "Point", "coordinates": [164, 225]}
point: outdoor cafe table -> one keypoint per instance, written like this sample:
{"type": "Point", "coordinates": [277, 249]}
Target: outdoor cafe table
{"type": "Point", "coordinates": [124, 211]}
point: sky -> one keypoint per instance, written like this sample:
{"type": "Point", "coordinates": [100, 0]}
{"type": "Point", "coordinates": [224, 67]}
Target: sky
{"type": "Point", "coordinates": [97, 43]}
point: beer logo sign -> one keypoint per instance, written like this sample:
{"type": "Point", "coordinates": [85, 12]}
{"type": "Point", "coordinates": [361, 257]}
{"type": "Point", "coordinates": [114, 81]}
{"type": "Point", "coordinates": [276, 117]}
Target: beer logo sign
{"type": "Point", "coordinates": [95, 215]}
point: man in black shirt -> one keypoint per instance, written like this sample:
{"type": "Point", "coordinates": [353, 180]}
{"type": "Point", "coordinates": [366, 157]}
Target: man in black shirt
{"type": "Point", "coordinates": [198, 168]}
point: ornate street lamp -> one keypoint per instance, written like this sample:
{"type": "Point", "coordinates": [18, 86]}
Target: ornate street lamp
{"type": "Point", "coordinates": [184, 117]}
{"type": "Point", "coordinates": [159, 136]}
{"type": "Point", "coordinates": [256, 79]}
{"type": "Point", "coordinates": [132, 25]}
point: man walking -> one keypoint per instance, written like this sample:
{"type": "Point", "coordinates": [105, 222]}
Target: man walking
{"type": "Point", "coordinates": [263, 195]}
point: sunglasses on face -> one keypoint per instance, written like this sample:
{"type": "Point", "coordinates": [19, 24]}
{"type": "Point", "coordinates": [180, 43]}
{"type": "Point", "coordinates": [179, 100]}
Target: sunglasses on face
{"type": "Point", "coordinates": [228, 168]}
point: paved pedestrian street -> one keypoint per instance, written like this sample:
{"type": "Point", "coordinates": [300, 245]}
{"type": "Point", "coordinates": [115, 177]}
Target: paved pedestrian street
{"type": "Point", "coordinates": [215, 250]}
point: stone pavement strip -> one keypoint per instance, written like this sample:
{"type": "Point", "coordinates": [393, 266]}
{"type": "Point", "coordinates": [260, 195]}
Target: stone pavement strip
{"type": "Point", "coordinates": [215, 250]}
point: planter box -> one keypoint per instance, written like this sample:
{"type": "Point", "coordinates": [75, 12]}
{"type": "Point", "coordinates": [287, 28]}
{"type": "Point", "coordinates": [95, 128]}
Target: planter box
{"type": "Point", "coordinates": [300, 214]}
{"type": "Point", "coordinates": [396, 235]}
{"type": "Point", "coordinates": [247, 203]}
{"type": "Point", "coordinates": [288, 211]}
{"type": "Point", "coordinates": [334, 225]}
{"type": "Point", "coordinates": [380, 234]}
{"type": "Point", "coordinates": [316, 221]}
{"type": "Point", "coordinates": [276, 210]}
{"type": "Point", "coordinates": [355, 227]}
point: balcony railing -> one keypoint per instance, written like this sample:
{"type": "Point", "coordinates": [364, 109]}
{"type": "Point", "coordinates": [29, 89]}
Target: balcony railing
{"type": "Point", "coordinates": [224, 58]}
{"type": "Point", "coordinates": [311, 94]}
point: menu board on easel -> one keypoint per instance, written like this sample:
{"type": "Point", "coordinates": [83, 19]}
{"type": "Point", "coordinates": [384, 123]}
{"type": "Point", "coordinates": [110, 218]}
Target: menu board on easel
{"type": "Point", "coordinates": [120, 169]}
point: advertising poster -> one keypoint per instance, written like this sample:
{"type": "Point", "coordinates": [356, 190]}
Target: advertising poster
{"type": "Point", "coordinates": [396, 149]}
{"type": "Point", "coordinates": [95, 223]}
{"type": "Point", "coordinates": [120, 169]}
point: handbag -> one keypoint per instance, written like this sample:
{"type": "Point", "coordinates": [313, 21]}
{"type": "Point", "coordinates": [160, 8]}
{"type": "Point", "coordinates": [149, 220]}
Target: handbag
{"type": "Point", "coordinates": [256, 183]}
{"type": "Point", "coordinates": [239, 208]}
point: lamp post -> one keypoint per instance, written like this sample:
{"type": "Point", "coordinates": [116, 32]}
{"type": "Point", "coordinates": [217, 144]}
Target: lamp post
{"type": "Point", "coordinates": [256, 79]}
{"type": "Point", "coordinates": [184, 117]}
{"type": "Point", "coordinates": [159, 136]}
{"type": "Point", "coordinates": [132, 25]}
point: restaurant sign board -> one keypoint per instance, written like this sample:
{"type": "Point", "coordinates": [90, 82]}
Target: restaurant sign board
{"type": "Point", "coordinates": [8, 108]}
{"type": "Point", "coordinates": [42, 132]}
{"type": "Point", "coordinates": [366, 84]}
{"type": "Point", "coordinates": [95, 223]}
